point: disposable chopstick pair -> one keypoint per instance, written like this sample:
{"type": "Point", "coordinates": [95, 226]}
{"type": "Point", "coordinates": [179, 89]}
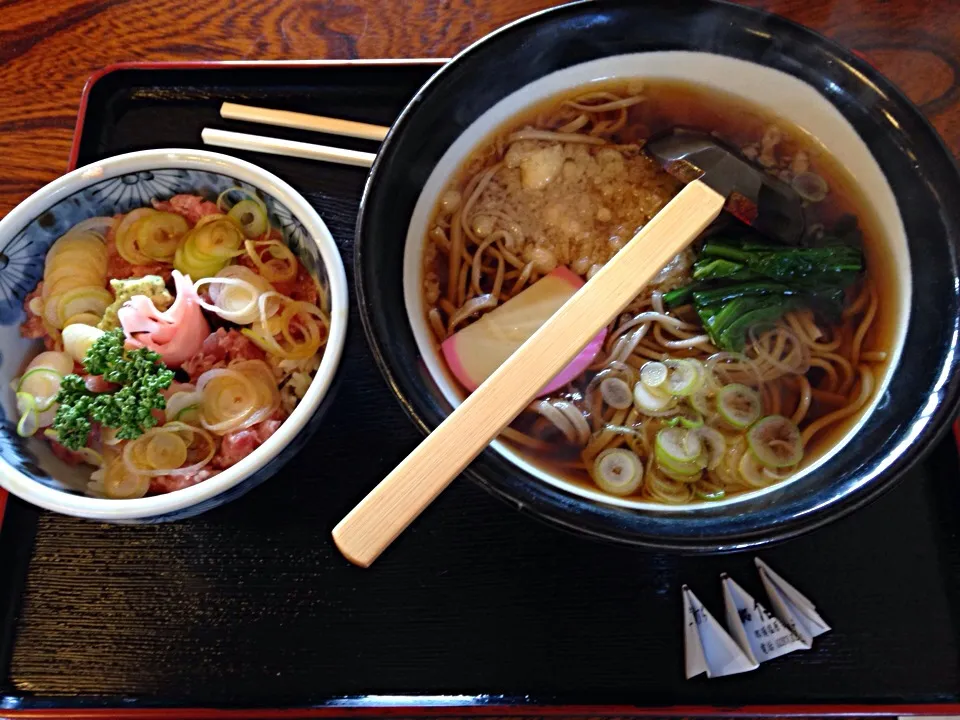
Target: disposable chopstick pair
{"type": "Point", "coordinates": [293, 148]}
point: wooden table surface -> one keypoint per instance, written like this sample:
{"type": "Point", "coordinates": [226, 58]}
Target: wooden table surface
{"type": "Point", "coordinates": [48, 48]}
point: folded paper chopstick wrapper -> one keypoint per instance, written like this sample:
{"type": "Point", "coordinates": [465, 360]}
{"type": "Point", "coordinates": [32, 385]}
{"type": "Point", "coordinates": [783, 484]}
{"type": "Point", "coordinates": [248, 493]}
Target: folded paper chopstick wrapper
{"type": "Point", "coordinates": [755, 635]}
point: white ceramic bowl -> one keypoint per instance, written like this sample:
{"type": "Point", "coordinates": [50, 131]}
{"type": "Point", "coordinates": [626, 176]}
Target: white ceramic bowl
{"type": "Point", "coordinates": [781, 94]}
{"type": "Point", "coordinates": [28, 468]}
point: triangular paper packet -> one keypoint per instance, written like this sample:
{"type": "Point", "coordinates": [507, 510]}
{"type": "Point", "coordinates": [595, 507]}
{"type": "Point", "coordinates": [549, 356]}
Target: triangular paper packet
{"type": "Point", "coordinates": [708, 648]}
{"type": "Point", "coordinates": [760, 635]}
{"type": "Point", "coordinates": [791, 606]}
{"type": "Point", "coordinates": [692, 647]}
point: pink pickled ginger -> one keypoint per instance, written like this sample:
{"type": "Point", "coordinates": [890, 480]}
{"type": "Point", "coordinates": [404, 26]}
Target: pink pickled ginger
{"type": "Point", "coordinates": [176, 334]}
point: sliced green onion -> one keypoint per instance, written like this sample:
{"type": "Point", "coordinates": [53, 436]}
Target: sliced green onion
{"type": "Point", "coordinates": [701, 381]}
{"type": "Point", "coordinates": [25, 402]}
{"type": "Point", "coordinates": [28, 424]}
{"type": "Point", "coordinates": [683, 377]}
{"type": "Point", "coordinates": [716, 445]}
{"type": "Point", "coordinates": [681, 472]}
{"type": "Point", "coordinates": [190, 262]}
{"type": "Point", "coordinates": [776, 441]}
{"type": "Point", "coordinates": [687, 418]}
{"type": "Point", "coordinates": [651, 402]}
{"type": "Point", "coordinates": [751, 471]}
{"type": "Point", "coordinates": [247, 194]}
{"type": "Point", "coordinates": [739, 405]}
{"type": "Point", "coordinates": [678, 445]}
{"type": "Point", "coordinates": [186, 412]}
{"type": "Point", "coordinates": [157, 235]}
{"type": "Point", "coordinates": [691, 419]}
{"type": "Point", "coordinates": [617, 471]}
{"type": "Point", "coordinates": [702, 401]}
{"type": "Point", "coordinates": [252, 217]}
{"type": "Point", "coordinates": [653, 374]}
{"type": "Point", "coordinates": [709, 491]}
{"type": "Point", "coordinates": [701, 368]}
{"type": "Point", "coordinates": [680, 467]}
{"type": "Point", "coordinates": [29, 417]}
{"type": "Point", "coordinates": [182, 403]}
{"type": "Point", "coordinates": [34, 415]}
{"type": "Point", "coordinates": [41, 382]}
{"type": "Point", "coordinates": [616, 393]}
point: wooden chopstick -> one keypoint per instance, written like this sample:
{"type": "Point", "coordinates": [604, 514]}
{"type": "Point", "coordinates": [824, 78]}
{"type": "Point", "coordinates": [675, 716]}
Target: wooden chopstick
{"type": "Point", "coordinates": [303, 121]}
{"type": "Point", "coordinates": [380, 517]}
{"type": "Point", "coordinates": [290, 148]}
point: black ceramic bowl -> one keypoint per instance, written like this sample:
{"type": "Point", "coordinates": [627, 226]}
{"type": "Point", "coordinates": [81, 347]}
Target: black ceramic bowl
{"type": "Point", "coordinates": [866, 123]}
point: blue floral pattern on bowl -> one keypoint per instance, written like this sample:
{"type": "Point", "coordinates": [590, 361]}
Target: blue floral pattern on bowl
{"type": "Point", "coordinates": [21, 260]}
{"type": "Point", "coordinates": [21, 268]}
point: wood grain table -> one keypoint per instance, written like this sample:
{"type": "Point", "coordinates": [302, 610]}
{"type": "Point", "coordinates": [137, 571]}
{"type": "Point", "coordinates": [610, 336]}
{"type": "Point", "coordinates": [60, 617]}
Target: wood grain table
{"type": "Point", "coordinates": [48, 48]}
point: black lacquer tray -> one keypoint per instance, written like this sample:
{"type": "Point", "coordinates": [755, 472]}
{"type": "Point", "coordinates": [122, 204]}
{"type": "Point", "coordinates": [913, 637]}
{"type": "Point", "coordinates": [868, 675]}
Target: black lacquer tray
{"type": "Point", "coordinates": [249, 610]}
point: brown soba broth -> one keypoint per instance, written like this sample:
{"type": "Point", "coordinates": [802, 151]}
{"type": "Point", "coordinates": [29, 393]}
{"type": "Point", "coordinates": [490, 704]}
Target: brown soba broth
{"type": "Point", "coordinates": [742, 362]}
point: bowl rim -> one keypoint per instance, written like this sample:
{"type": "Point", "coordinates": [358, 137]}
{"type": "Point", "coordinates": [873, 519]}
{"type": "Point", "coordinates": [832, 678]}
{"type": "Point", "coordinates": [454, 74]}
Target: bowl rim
{"type": "Point", "coordinates": [811, 109]}
{"type": "Point", "coordinates": [596, 520]}
{"type": "Point", "coordinates": [24, 487]}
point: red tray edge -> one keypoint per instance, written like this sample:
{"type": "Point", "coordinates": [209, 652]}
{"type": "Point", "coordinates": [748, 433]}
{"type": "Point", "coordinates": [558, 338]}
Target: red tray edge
{"type": "Point", "coordinates": [381, 710]}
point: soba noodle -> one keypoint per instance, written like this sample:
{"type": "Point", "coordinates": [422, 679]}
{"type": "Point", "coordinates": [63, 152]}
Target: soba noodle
{"type": "Point", "coordinates": [504, 224]}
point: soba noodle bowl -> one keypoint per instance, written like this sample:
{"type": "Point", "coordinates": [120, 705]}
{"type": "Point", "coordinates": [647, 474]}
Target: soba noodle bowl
{"type": "Point", "coordinates": [675, 407]}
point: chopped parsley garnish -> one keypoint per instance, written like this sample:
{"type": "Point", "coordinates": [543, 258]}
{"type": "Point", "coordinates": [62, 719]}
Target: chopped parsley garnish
{"type": "Point", "coordinates": [142, 378]}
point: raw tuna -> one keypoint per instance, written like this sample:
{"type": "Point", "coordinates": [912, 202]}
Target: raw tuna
{"type": "Point", "coordinates": [191, 207]}
{"type": "Point", "coordinates": [168, 483]}
{"type": "Point", "coordinates": [302, 287]}
{"type": "Point", "coordinates": [33, 327]}
{"type": "Point", "coordinates": [219, 349]}
{"type": "Point", "coordinates": [238, 444]}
